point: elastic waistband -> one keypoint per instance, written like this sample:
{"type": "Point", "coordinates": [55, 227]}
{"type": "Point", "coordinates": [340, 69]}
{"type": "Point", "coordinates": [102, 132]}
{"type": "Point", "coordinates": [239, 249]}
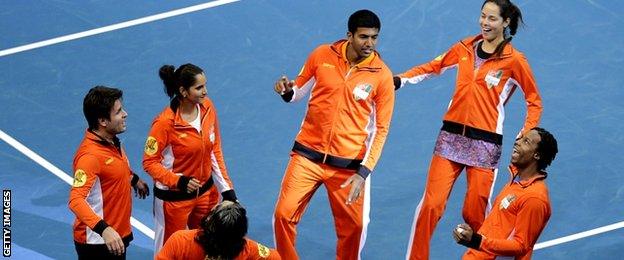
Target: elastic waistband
{"type": "Point", "coordinates": [171, 195]}
{"type": "Point", "coordinates": [471, 132]}
{"type": "Point", "coordinates": [318, 157]}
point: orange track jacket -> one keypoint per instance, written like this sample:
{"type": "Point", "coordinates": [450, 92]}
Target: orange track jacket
{"type": "Point", "coordinates": [480, 95]}
{"type": "Point", "coordinates": [101, 193]}
{"type": "Point", "coordinates": [182, 245]}
{"type": "Point", "coordinates": [350, 108]}
{"type": "Point", "coordinates": [518, 217]}
{"type": "Point", "coordinates": [173, 147]}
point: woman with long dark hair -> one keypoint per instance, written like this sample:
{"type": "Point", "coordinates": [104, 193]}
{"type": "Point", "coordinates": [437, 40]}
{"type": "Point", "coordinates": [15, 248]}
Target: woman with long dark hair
{"type": "Point", "coordinates": [183, 154]}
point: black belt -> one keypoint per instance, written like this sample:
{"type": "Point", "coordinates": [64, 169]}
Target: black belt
{"type": "Point", "coordinates": [171, 195]}
{"type": "Point", "coordinates": [317, 157]}
{"type": "Point", "coordinates": [471, 132]}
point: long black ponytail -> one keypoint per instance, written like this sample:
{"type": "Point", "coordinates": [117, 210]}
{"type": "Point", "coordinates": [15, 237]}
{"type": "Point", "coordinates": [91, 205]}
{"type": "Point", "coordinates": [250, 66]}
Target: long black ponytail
{"type": "Point", "coordinates": [174, 78]}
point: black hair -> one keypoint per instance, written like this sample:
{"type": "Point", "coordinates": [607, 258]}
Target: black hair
{"type": "Point", "coordinates": [363, 18]}
{"type": "Point", "coordinates": [511, 11]}
{"type": "Point", "coordinates": [546, 148]}
{"type": "Point", "coordinates": [173, 79]}
{"type": "Point", "coordinates": [223, 231]}
{"type": "Point", "coordinates": [98, 103]}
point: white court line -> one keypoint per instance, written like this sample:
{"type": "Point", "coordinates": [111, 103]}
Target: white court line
{"type": "Point", "coordinates": [137, 224]}
{"type": "Point", "coordinates": [577, 236]}
{"type": "Point", "coordinates": [150, 233]}
{"type": "Point", "coordinates": [61, 174]}
{"type": "Point", "coordinates": [117, 26]}
{"type": "Point", "coordinates": [43, 162]}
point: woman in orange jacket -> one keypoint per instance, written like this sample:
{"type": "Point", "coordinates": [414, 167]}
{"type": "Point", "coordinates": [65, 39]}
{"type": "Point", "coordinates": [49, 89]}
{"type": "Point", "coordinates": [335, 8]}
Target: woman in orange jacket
{"type": "Point", "coordinates": [489, 69]}
{"type": "Point", "coordinates": [183, 154]}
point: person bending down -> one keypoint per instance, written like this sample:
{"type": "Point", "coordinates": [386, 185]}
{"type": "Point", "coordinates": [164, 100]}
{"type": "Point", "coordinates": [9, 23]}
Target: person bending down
{"type": "Point", "coordinates": [221, 236]}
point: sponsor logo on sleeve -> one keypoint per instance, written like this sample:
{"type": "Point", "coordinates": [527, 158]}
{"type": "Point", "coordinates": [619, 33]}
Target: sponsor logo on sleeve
{"type": "Point", "coordinates": [263, 251]}
{"type": "Point", "coordinates": [80, 178]}
{"type": "Point", "coordinates": [151, 146]}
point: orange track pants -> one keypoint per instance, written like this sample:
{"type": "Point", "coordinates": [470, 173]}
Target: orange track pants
{"type": "Point", "coordinates": [171, 216]}
{"type": "Point", "coordinates": [440, 180]}
{"type": "Point", "coordinates": [302, 178]}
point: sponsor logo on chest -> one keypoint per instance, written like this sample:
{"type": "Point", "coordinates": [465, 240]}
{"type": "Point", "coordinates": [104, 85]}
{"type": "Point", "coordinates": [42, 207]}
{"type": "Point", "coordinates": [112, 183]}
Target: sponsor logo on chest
{"type": "Point", "coordinates": [507, 201]}
{"type": "Point", "coordinates": [493, 77]}
{"type": "Point", "coordinates": [361, 91]}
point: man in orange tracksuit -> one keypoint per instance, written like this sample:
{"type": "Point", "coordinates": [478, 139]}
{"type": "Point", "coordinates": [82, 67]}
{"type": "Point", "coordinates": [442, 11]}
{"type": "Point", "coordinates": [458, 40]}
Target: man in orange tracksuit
{"type": "Point", "coordinates": [222, 236]}
{"type": "Point", "coordinates": [472, 130]}
{"type": "Point", "coordinates": [341, 137]}
{"type": "Point", "coordinates": [175, 153]}
{"type": "Point", "coordinates": [100, 196]}
{"type": "Point", "coordinates": [521, 209]}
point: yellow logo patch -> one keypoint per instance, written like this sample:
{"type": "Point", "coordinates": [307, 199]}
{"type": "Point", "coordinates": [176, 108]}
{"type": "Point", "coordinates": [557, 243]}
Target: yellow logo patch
{"type": "Point", "coordinates": [109, 161]}
{"type": "Point", "coordinates": [182, 135]}
{"type": "Point", "coordinates": [328, 65]}
{"type": "Point", "coordinates": [151, 146]}
{"type": "Point", "coordinates": [263, 251]}
{"type": "Point", "coordinates": [80, 178]}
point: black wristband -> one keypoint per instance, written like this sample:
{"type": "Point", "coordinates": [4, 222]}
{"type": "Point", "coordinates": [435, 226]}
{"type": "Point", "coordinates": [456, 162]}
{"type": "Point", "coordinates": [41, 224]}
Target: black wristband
{"type": "Point", "coordinates": [183, 183]}
{"type": "Point", "coordinates": [397, 82]}
{"type": "Point", "coordinates": [135, 179]}
{"type": "Point", "coordinates": [475, 241]}
{"type": "Point", "coordinates": [287, 97]}
{"type": "Point", "coordinates": [363, 171]}
{"type": "Point", "coordinates": [229, 195]}
{"type": "Point", "coordinates": [100, 226]}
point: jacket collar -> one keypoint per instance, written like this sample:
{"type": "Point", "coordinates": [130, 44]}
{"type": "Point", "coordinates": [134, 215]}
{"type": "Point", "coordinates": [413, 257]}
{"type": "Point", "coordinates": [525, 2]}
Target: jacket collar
{"type": "Point", "coordinates": [471, 42]}
{"type": "Point", "coordinates": [369, 63]}
{"type": "Point", "coordinates": [91, 135]}
{"type": "Point", "coordinates": [525, 183]}
{"type": "Point", "coordinates": [177, 117]}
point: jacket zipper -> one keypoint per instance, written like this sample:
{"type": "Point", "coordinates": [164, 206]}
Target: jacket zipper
{"type": "Point", "coordinates": [331, 131]}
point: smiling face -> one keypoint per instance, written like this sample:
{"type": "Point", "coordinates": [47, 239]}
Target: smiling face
{"type": "Point", "coordinates": [525, 149]}
{"type": "Point", "coordinates": [117, 122]}
{"type": "Point", "coordinates": [197, 92]}
{"type": "Point", "coordinates": [363, 41]}
{"type": "Point", "coordinates": [492, 23]}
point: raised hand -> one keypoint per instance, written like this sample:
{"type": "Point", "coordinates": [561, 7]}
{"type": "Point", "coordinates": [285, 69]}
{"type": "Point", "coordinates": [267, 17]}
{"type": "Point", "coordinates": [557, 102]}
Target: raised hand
{"type": "Point", "coordinates": [283, 85]}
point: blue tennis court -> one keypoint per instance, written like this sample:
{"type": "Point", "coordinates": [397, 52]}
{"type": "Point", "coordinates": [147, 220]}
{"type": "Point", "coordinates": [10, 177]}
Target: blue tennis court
{"type": "Point", "coordinates": [574, 48]}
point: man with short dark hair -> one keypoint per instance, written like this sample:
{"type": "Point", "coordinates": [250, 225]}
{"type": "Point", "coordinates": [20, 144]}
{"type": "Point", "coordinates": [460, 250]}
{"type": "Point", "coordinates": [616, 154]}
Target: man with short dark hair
{"type": "Point", "coordinates": [100, 196]}
{"type": "Point", "coordinates": [521, 209]}
{"type": "Point", "coordinates": [342, 135]}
